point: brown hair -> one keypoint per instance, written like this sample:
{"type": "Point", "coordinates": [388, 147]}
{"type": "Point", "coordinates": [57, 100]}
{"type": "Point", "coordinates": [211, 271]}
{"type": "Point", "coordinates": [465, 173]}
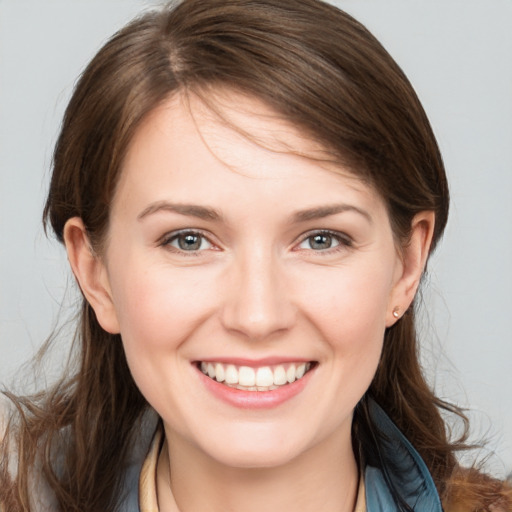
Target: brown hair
{"type": "Point", "coordinates": [325, 73]}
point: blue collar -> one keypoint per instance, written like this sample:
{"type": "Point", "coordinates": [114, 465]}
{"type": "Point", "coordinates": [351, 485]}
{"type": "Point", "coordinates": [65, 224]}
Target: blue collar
{"type": "Point", "coordinates": [405, 471]}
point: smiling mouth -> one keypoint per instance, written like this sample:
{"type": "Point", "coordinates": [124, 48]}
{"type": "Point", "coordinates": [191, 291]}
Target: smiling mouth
{"type": "Point", "coordinates": [263, 378]}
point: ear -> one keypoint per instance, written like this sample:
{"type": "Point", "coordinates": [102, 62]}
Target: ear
{"type": "Point", "coordinates": [91, 274]}
{"type": "Point", "coordinates": [413, 260]}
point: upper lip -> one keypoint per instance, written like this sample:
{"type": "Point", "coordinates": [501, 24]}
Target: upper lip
{"type": "Point", "coordinates": [255, 363]}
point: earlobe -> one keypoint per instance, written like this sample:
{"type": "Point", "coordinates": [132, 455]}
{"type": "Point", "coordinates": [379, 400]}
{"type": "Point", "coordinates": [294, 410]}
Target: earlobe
{"type": "Point", "coordinates": [90, 273]}
{"type": "Point", "coordinates": [414, 259]}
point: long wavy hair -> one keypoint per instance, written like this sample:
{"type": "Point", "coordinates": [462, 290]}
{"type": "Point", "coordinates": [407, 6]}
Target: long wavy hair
{"type": "Point", "coordinates": [322, 71]}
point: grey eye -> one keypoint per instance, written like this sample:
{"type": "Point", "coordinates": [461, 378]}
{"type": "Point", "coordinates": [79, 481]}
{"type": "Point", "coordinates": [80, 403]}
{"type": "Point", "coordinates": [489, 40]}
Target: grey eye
{"type": "Point", "coordinates": [319, 242]}
{"type": "Point", "coordinates": [189, 241]}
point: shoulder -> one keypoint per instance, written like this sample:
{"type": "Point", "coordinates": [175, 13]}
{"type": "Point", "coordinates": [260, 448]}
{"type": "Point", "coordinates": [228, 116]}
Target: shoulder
{"type": "Point", "coordinates": [470, 490]}
{"type": "Point", "coordinates": [41, 498]}
{"type": "Point", "coordinates": [7, 454]}
{"type": "Point", "coordinates": [5, 412]}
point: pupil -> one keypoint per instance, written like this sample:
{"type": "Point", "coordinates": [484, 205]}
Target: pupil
{"type": "Point", "coordinates": [189, 242]}
{"type": "Point", "coordinates": [321, 242]}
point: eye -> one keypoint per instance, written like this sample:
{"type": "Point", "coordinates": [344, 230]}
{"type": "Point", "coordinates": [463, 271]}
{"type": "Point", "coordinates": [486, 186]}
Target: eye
{"type": "Point", "coordinates": [324, 240]}
{"type": "Point", "coordinates": [187, 241]}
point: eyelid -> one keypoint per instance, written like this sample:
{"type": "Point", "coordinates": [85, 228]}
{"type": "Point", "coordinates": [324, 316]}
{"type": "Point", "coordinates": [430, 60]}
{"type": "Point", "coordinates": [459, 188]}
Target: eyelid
{"type": "Point", "coordinates": [165, 241]}
{"type": "Point", "coordinates": [345, 241]}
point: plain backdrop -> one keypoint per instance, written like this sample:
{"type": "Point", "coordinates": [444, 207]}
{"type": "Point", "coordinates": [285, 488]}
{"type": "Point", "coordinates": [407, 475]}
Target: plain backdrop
{"type": "Point", "coordinates": [457, 54]}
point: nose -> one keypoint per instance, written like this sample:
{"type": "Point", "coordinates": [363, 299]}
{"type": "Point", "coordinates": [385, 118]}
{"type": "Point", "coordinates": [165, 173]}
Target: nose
{"type": "Point", "coordinates": [258, 303]}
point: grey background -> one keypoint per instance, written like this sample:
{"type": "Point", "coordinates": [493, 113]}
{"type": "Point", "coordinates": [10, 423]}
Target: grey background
{"type": "Point", "coordinates": [458, 55]}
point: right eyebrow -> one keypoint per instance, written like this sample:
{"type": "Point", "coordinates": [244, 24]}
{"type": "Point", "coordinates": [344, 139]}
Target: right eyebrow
{"type": "Point", "coordinates": [189, 210]}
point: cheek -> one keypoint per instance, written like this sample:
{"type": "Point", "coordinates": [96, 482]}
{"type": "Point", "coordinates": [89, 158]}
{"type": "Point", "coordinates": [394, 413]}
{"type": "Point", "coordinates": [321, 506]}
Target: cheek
{"type": "Point", "coordinates": [159, 311]}
{"type": "Point", "coordinates": [348, 304]}
{"type": "Point", "coordinates": [348, 308]}
{"type": "Point", "coordinates": [158, 308]}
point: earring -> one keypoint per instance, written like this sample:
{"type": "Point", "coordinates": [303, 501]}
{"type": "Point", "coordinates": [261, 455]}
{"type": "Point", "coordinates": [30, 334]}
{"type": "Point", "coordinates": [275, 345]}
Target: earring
{"type": "Point", "coordinates": [396, 312]}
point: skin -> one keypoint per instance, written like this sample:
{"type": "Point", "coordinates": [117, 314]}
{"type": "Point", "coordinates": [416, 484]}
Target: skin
{"type": "Point", "coordinates": [257, 287]}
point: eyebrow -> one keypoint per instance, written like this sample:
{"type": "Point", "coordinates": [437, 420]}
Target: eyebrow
{"type": "Point", "coordinates": [321, 212]}
{"type": "Point", "coordinates": [206, 213]}
{"type": "Point", "coordinates": [191, 210]}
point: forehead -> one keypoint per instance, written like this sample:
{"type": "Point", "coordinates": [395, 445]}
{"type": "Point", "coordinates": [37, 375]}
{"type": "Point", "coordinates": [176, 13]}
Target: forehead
{"type": "Point", "coordinates": [202, 143]}
{"type": "Point", "coordinates": [225, 117]}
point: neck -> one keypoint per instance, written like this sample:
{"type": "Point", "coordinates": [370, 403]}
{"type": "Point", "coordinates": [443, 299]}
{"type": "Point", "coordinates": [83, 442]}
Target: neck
{"type": "Point", "coordinates": [321, 478]}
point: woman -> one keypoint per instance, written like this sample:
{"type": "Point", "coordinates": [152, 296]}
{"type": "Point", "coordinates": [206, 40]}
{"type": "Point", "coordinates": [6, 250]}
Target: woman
{"type": "Point", "coordinates": [248, 192]}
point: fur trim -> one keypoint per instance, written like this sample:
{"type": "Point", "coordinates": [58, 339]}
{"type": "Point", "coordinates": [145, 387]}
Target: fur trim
{"type": "Point", "coordinates": [470, 490]}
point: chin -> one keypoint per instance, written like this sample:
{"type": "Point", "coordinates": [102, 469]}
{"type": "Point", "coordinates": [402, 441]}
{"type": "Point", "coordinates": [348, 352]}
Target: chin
{"type": "Point", "coordinates": [257, 460]}
{"type": "Point", "coordinates": [256, 453]}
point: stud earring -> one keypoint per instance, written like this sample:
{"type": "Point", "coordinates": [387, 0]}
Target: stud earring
{"type": "Point", "coordinates": [396, 312]}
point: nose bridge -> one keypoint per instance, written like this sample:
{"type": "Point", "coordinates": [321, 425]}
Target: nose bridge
{"type": "Point", "coordinates": [258, 303]}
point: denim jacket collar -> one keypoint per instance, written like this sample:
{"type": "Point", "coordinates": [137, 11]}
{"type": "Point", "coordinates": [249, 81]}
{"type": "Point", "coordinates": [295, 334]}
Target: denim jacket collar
{"type": "Point", "coordinates": [405, 472]}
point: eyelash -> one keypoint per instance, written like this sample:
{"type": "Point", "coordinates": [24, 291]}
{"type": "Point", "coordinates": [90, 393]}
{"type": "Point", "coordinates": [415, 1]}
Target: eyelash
{"type": "Point", "coordinates": [343, 241]}
{"type": "Point", "coordinates": [167, 240]}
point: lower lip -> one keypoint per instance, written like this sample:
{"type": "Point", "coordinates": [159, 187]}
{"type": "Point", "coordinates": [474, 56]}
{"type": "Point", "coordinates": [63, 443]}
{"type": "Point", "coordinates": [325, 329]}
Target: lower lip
{"type": "Point", "coordinates": [255, 399]}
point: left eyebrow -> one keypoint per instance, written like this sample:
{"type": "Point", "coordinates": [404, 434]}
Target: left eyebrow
{"type": "Point", "coordinates": [321, 212]}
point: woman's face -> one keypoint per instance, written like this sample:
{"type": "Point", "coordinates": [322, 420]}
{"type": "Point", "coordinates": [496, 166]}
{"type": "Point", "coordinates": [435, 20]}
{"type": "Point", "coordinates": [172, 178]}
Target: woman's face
{"type": "Point", "coordinates": [255, 265]}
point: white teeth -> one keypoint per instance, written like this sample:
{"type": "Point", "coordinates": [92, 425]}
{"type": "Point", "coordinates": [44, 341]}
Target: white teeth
{"type": "Point", "coordinates": [301, 370]}
{"type": "Point", "coordinates": [231, 374]}
{"type": "Point", "coordinates": [219, 372]}
{"type": "Point", "coordinates": [246, 376]}
{"type": "Point", "coordinates": [280, 376]}
{"type": "Point", "coordinates": [265, 378]}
